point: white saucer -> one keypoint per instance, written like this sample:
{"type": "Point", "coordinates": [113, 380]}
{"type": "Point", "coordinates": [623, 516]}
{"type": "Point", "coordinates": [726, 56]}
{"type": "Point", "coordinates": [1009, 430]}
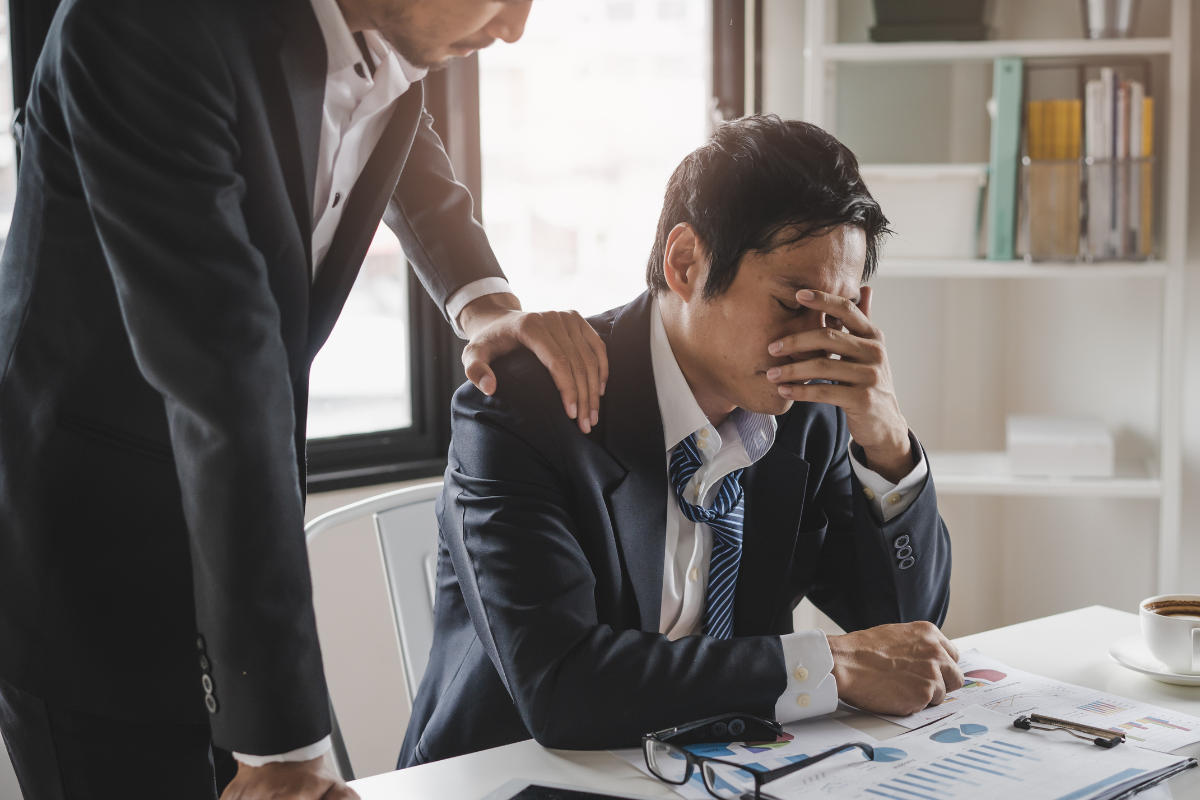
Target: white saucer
{"type": "Point", "coordinates": [1132, 653]}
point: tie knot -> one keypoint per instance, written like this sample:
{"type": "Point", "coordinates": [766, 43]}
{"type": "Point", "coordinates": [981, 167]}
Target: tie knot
{"type": "Point", "coordinates": [685, 463]}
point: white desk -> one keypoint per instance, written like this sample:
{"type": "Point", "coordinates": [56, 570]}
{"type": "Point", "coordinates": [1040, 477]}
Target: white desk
{"type": "Point", "coordinates": [1071, 647]}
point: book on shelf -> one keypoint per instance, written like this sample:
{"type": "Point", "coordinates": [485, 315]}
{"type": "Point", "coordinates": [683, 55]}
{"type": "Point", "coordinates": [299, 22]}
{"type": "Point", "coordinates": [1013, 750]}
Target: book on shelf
{"type": "Point", "coordinates": [1087, 175]}
{"type": "Point", "coordinates": [1050, 217]}
{"type": "Point", "coordinates": [1007, 79]}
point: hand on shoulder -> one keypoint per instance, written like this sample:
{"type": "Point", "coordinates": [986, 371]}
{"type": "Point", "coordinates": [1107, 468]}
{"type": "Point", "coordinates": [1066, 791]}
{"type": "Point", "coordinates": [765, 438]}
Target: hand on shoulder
{"type": "Point", "coordinates": [562, 340]}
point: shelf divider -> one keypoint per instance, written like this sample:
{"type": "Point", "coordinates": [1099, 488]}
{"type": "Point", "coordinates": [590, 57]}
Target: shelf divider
{"type": "Point", "coordinates": [983, 268]}
{"type": "Point", "coordinates": [988, 473]}
{"type": "Point", "coordinates": [996, 48]}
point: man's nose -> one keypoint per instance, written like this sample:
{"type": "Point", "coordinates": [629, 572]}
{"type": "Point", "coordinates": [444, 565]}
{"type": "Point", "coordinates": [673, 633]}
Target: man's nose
{"type": "Point", "coordinates": [509, 24]}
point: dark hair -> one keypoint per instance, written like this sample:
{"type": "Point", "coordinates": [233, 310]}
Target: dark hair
{"type": "Point", "coordinates": [759, 177]}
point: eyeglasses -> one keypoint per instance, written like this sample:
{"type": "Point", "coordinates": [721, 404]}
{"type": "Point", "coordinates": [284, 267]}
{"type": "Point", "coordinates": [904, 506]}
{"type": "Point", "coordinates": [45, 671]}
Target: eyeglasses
{"type": "Point", "coordinates": [724, 779]}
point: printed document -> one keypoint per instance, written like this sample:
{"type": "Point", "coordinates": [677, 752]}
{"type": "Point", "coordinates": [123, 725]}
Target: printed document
{"type": "Point", "coordinates": [995, 687]}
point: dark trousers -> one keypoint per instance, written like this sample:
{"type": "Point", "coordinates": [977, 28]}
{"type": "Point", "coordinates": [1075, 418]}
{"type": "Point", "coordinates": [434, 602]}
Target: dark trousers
{"type": "Point", "coordinates": [60, 754]}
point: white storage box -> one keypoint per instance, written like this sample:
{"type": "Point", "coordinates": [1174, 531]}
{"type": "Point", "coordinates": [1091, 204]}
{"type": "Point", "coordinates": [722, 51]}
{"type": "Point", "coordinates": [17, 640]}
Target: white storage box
{"type": "Point", "coordinates": [934, 209]}
{"type": "Point", "coordinates": [1059, 447]}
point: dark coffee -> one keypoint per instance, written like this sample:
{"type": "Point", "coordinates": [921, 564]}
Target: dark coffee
{"type": "Point", "coordinates": [1182, 609]}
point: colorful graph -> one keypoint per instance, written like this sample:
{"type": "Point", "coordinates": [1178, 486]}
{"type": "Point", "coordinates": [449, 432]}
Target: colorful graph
{"type": "Point", "coordinates": [1161, 723]}
{"type": "Point", "coordinates": [1101, 707]}
{"type": "Point", "coordinates": [989, 675]}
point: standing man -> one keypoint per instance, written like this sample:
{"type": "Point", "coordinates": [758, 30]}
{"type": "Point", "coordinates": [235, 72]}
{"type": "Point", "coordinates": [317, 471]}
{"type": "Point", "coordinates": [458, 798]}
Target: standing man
{"type": "Point", "coordinates": [199, 185]}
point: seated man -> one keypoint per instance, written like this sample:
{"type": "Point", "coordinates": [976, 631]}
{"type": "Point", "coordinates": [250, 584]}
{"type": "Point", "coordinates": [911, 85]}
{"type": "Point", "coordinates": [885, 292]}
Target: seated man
{"type": "Point", "coordinates": [594, 587]}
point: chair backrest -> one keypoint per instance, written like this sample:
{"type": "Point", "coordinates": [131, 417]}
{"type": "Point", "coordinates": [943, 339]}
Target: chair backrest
{"type": "Point", "coordinates": [407, 531]}
{"type": "Point", "coordinates": [408, 542]}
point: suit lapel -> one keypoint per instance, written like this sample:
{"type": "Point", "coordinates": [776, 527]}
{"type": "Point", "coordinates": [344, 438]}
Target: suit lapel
{"type": "Point", "coordinates": [634, 437]}
{"type": "Point", "coordinates": [297, 60]}
{"type": "Point", "coordinates": [364, 208]}
{"type": "Point", "coordinates": [775, 488]}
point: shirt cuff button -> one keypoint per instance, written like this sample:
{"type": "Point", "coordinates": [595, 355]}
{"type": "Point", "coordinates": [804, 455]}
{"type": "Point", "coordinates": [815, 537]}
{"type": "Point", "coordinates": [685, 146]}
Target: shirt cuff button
{"type": "Point", "coordinates": [803, 700]}
{"type": "Point", "coordinates": [801, 674]}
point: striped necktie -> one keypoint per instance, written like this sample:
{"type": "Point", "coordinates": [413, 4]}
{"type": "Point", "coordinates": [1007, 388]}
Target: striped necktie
{"type": "Point", "coordinates": [724, 519]}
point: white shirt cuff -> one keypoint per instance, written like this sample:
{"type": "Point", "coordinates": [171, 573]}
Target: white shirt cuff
{"type": "Point", "coordinates": [811, 689]}
{"type": "Point", "coordinates": [472, 291]}
{"type": "Point", "coordinates": [887, 499]}
{"type": "Point", "coordinates": [301, 754]}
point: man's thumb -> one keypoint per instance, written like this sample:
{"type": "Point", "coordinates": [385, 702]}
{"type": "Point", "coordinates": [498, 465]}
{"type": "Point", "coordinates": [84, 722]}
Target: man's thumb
{"type": "Point", "coordinates": [480, 374]}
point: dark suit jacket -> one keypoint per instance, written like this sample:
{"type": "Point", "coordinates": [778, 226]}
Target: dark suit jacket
{"type": "Point", "coordinates": [157, 322]}
{"type": "Point", "coordinates": [551, 562]}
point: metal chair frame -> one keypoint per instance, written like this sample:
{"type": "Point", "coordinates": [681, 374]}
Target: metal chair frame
{"type": "Point", "coordinates": [375, 506]}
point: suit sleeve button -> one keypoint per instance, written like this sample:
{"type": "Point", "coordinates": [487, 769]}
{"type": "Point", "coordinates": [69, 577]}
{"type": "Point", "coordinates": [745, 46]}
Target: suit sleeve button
{"type": "Point", "coordinates": [204, 665]}
{"type": "Point", "coordinates": [803, 700]}
{"type": "Point", "coordinates": [801, 673]}
{"type": "Point", "coordinates": [207, 683]}
{"type": "Point", "coordinates": [210, 703]}
{"type": "Point", "coordinates": [200, 643]}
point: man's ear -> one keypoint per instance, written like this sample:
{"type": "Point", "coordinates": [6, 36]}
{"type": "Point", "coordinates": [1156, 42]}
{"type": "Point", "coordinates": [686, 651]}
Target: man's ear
{"type": "Point", "coordinates": [684, 262]}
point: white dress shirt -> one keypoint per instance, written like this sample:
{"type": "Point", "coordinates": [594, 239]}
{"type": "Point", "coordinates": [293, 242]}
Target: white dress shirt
{"type": "Point", "coordinates": [357, 108]}
{"type": "Point", "coordinates": [738, 442]}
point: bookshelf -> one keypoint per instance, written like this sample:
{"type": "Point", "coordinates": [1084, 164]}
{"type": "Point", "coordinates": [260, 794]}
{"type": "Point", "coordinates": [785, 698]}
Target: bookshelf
{"type": "Point", "coordinates": [986, 473]}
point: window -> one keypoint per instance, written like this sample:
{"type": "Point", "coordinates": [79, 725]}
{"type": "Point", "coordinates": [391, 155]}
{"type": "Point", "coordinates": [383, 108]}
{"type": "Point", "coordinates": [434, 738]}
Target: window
{"type": "Point", "coordinates": [360, 381]}
{"type": "Point", "coordinates": [380, 389]}
{"type": "Point", "coordinates": [581, 124]}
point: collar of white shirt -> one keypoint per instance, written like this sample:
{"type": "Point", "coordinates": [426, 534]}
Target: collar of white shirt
{"type": "Point", "coordinates": [681, 414]}
{"type": "Point", "coordinates": [342, 51]}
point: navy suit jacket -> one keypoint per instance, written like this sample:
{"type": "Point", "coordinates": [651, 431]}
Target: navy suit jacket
{"type": "Point", "coordinates": [157, 322]}
{"type": "Point", "coordinates": [549, 581]}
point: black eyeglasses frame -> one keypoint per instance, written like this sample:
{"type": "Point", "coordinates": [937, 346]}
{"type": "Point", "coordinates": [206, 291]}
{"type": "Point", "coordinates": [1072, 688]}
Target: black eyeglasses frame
{"type": "Point", "coordinates": [696, 762]}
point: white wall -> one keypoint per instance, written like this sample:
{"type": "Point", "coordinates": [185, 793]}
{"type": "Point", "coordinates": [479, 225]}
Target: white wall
{"type": "Point", "coordinates": [965, 353]}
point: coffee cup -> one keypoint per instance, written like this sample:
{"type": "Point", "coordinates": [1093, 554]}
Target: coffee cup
{"type": "Point", "coordinates": [1171, 627]}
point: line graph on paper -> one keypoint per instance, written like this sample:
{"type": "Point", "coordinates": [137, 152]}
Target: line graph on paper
{"type": "Point", "coordinates": [1021, 701]}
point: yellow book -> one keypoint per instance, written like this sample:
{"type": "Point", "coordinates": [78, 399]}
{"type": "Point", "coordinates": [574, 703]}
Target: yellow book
{"type": "Point", "coordinates": [1063, 132]}
{"type": "Point", "coordinates": [1075, 113]}
{"type": "Point", "coordinates": [1148, 126]}
{"type": "Point", "coordinates": [1034, 130]}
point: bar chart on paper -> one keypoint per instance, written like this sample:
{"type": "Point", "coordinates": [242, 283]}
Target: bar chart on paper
{"type": "Point", "coordinates": [977, 754]}
{"type": "Point", "coordinates": [1012, 692]}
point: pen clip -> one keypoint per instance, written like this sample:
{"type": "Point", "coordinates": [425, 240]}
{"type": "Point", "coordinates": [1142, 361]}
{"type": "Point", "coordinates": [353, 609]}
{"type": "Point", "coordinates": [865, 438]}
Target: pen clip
{"type": "Point", "coordinates": [1097, 736]}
